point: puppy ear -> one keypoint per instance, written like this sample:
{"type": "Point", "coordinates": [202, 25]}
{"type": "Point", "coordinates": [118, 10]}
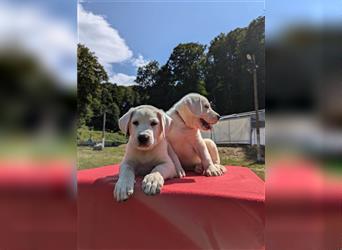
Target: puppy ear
{"type": "Point", "coordinates": [125, 120]}
{"type": "Point", "coordinates": [165, 121]}
{"type": "Point", "coordinates": [183, 109]}
{"type": "Point", "coordinates": [194, 104]}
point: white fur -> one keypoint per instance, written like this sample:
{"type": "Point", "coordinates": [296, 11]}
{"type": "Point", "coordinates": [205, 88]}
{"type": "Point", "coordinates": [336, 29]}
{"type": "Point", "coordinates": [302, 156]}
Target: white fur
{"type": "Point", "coordinates": [155, 160]}
{"type": "Point", "coordinates": [194, 152]}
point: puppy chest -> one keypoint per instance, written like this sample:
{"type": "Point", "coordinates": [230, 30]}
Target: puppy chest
{"type": "Point", "coordinates": [183, 138]}
{"type": "Point", "coordinates": [145, 166]}
{"type": "Point", "coordinates": [184, 149]}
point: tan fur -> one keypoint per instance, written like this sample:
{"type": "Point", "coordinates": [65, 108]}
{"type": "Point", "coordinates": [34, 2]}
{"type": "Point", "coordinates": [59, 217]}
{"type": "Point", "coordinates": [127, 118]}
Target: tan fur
{"type": "Point", "coordinates": [194, 152]}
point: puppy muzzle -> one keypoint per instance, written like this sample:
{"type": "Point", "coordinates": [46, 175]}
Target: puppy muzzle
{"type": "Point", "coordinates": [144, 140]}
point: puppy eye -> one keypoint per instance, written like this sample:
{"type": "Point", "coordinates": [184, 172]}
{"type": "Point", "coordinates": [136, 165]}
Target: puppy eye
{"type": "Point", "coordinates": [206, 106]}
{"type": "Point", "coordinates": [136, 123]}
{"type": "Point", "coordinates": [154, 123]}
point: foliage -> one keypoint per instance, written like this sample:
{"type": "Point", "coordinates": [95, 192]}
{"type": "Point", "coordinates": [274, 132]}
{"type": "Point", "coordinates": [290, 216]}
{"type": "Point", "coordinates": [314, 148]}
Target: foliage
{"type": "Point", "coordinates": [218, 71]}
{"type": "Point", "coordinates": [90, 74]}
{"type": "Point", "coordinates": [31, 98]}
{"type": "Point", "coordinates": [147, 75]}
{"type": "Point", "coordinates": [227, 80]}
{"type": "Point", "coordinates": [186, 66]}
{"type": "Point", "coordinates": [84, 134]}
{"type": "Point", "coordinates": [183, 73]}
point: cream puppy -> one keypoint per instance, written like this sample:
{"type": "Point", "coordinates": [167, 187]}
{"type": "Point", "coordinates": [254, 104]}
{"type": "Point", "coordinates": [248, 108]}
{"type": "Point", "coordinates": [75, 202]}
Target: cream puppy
{"type": "Point", "coordinates": [147, 152]}
{"type": "Point", "coordinates": [190, 115]}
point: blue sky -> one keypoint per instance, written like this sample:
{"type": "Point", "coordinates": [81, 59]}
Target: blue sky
{"type": "Point", "coordinates": [62, 9]}
{"type": "Point", "coordinates": [151, 30]}
{"type": "Point", "coordinates": [45, 29]}
{"type": "Point", "coordinates": [281, 15]}
{"type": "Point", "coordinates": [129, 33]}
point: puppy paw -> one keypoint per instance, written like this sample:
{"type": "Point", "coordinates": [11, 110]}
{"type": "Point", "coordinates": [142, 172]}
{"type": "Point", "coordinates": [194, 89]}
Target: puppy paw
{"type": "Point", "coordinates": [181, 173]}
{"type": "Point", "coordinates": [213, 170]}
{"type": "Point", "coordinates": [123, 190]}
{"type": "Point", "coordinates": [222, 168]}
{"type": "Point", "coordinates": [152, 183]}
{"type": "Point", "coordinates": [198, 169]}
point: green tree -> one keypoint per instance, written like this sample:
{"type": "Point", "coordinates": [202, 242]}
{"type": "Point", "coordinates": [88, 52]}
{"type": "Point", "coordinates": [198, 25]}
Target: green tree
{"type": "Point", "coordinates": [224, 70]}
{"type": "Point", "coordinates": [254, 43]}
{"type": "Point", "coordinates": [219, 73]}
{"type": "Point", "coordinates": [90, 74]}
{"type": "Point", "coordinates": [186, 68]}
{"type": "Point", "coordinates": [147, 75]}
{"type": "Point", "coordinates": [227, 80]}
{"type": "Point", "coordinates": [163, 93]}
{"type": "Point", "coordinates": [107, 104]}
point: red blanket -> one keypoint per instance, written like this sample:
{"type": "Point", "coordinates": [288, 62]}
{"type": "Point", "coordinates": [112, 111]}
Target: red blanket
{"type": "Point", "coordinates": [37, 207]}
{"type": "Point", "coordinates": [195, 212]}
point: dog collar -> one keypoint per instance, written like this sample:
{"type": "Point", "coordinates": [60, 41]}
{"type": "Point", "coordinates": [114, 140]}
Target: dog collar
{"type": "Point", "coordinates": [180, 117]}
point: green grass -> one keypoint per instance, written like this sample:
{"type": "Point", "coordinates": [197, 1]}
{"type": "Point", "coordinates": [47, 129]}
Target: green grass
{"type": "Point", "coordinates": [242, 156]}
{"type": "Point", "coordinates": [258, 169]}
{"type": "Point", "coordinates": [84, 134]}
{"type": "Point", "coordinates": [36, 147]}
{"type": "Point", "coordinates": [233, 156]}
{"type": "Point", "coordinates": [88, 158]}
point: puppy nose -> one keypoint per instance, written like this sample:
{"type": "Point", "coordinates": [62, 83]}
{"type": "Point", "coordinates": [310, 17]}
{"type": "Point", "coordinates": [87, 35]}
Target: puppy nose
{"type": "Point", "coordinates": [143, 138]}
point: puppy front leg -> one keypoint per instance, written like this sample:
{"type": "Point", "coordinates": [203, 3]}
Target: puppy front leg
{"type": "Point", "coordinates": [209, 167]}
{"type": "Point", "coordinates": [214, 154]}
{"type": "Point", "coordinates": [180, 171]}
{"type": "Point", "coordinates": [124, 187]}
{"type": "Point", "coordinates": [153, 182]}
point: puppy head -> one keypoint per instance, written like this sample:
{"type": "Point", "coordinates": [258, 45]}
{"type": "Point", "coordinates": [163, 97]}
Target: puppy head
{"type": "Point", "coordinates": [197, 112]}
{"type": "Point", "coordinates": [145, 125]}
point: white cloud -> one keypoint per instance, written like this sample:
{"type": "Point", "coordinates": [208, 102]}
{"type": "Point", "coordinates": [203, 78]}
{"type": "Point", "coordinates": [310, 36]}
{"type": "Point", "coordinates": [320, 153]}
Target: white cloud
{"type": "Point", "coordinates": [139, 61]}
{"type": "Point", "coordinates": [51, 40]}
{"type": "Point", "coordinates": [122, 79]}
{"type": "Point", "coordinates": [105, 41]}
{"type": "Point", "coordinates": [96, 33]}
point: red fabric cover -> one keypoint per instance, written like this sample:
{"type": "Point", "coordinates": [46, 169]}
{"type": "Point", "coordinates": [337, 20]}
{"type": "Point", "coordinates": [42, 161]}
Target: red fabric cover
{"type": "Point", "coordinates": [37, 208]}
{"type": "Point", "coordinates": [303, 207]}
{"type": "Point", "coordinates": [195, 212]}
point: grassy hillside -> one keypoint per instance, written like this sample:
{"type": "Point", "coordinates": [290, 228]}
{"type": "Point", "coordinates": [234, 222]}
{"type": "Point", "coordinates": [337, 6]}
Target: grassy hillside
{"type": "Point", "coordinates": [84, 134]}
{"type": "Point", "coordinates": [233, 156]}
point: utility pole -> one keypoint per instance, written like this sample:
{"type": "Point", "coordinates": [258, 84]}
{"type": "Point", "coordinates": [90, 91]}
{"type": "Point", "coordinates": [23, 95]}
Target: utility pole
{"type": "Point", "coordinates": [103, 128]}
{"type": "Point", "coordinates": [256, 103]}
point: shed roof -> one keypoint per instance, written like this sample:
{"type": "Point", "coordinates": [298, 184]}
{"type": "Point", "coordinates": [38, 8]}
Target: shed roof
{"type": "Point", "coordinates": [250, 113]}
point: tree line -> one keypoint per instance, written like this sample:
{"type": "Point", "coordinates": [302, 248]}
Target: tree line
{"type": "Point", "coordinates": [219, 71]}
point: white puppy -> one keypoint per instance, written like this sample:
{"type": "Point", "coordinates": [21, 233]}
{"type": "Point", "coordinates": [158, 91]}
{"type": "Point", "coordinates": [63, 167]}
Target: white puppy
{"type": "Point", "coordinates": [190, 115]}
{"type": "Point", "coordinates": [147, 152]}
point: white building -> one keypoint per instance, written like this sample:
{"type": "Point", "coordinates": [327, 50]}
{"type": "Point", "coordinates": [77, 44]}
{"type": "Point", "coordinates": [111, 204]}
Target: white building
{"type": "Point", "coordinates": [237, 129]}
